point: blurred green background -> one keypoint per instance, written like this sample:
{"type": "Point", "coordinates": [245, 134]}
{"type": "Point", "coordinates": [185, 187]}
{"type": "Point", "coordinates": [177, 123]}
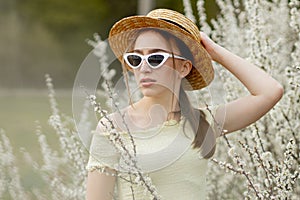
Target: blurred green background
{"type": "Point", "coordinates": [39, 37]}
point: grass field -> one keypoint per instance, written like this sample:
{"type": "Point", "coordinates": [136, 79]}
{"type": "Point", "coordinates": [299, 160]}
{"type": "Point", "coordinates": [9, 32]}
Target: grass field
{"type": "Point", "coordinates": [19, 111]}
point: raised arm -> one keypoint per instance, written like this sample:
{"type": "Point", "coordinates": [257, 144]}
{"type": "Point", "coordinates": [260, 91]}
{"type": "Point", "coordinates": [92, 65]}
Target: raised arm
{"type": "Point", "coordinates": [264, 91]}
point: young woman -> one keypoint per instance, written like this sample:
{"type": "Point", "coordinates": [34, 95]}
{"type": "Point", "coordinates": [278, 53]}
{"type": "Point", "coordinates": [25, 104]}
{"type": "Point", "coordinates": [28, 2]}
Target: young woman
{"type": "Point", "coordinates": [172, 140]}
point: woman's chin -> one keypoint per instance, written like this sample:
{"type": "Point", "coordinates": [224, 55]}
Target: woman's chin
{"type": "Point", "coordinates": [150, 91]}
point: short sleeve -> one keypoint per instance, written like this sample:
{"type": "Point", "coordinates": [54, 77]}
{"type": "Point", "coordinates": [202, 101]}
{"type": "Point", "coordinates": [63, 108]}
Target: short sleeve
{"type": "Point", "coordinates": [212, 134]}
{"type": "Point", "coordinates": [102, 153]}
{"type": "Point", "coordinates": [216, 122]}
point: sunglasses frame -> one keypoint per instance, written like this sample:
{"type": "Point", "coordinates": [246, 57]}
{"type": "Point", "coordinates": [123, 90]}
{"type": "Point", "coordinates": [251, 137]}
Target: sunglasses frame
{"type": "Point", "coordinates": [146, 57]}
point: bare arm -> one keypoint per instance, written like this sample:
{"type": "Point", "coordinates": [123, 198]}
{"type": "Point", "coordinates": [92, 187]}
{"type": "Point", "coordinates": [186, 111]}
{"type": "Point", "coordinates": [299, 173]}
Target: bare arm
{"type": "Point", "coordinates": [100, 183]}
{"type": "Point", "coordinates": [264, 91]}
{"type": "Point", "coordinates": [100, 186]}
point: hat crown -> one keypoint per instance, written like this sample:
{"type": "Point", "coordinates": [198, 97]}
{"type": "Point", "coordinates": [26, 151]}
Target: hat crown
{"type": "Point", "coordinates": [123, 34]}
{"type": "Point", "coordinates": [178, 19]}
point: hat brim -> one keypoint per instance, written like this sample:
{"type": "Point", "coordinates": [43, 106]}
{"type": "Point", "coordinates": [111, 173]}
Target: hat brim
{"type": "Point", "coordinates": [123, 33]}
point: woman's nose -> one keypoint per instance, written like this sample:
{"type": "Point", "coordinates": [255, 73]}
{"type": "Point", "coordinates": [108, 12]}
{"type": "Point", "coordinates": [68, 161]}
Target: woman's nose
{"type": "Point", "coordinates": [145, 67]}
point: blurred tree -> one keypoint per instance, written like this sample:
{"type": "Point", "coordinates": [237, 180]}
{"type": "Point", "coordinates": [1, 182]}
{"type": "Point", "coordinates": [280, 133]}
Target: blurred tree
{"type": "Point", "coordinates": [69, 19]}
{"type": "Point", "coordinates": [73, 18]}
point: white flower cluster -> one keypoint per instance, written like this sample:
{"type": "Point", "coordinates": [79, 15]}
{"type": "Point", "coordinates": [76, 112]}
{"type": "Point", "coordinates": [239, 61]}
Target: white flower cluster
{"type": "Point", "coordinates": [264, 157]}
{"type": "Point", "coordinates": [100, 51]}
{"type": "Point", "coordinates": [10, 180]}
{"type": "Point", "coordinates": [62, 169]}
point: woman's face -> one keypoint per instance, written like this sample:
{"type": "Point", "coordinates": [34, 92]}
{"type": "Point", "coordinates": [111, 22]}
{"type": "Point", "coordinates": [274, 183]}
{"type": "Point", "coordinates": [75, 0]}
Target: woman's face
{"type": "Point", "coordinates": [165, 79]}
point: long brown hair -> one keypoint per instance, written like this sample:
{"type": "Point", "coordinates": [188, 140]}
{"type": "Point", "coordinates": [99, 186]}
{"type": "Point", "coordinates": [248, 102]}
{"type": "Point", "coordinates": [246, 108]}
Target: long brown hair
{"type": "Point", "coordinates": [204, 134]}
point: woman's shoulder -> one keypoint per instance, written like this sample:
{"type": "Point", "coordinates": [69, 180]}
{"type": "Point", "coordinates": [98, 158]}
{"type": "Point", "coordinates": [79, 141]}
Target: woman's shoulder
{"type": "Point", "coordinates": [114, 120]}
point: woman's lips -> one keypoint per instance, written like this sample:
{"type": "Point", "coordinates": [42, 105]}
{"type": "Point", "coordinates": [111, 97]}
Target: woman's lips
{"type": "Point", "coordinates": [146, 82]}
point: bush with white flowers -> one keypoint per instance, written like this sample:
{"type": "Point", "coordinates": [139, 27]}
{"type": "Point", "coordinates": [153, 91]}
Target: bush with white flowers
{"type": "Point", "coordinates": [258, 162]}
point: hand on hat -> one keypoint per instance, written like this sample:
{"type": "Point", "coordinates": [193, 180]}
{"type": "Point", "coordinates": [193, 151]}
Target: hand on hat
{"type": "Point", "coordinates": [210, 46]}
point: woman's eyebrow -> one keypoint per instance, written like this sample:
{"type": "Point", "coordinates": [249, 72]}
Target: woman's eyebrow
{"type": "Point", "coordinates": [140, 51]}
{"type": "Point", "coordinates": [158, 50]}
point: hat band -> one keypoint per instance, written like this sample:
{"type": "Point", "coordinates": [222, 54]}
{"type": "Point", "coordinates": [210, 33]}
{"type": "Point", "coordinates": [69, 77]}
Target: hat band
{"type": "Point", "coordinates": [172, 22]}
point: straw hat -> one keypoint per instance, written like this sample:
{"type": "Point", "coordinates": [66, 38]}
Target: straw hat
{"type": "Point", "coordinates": [123, 33]}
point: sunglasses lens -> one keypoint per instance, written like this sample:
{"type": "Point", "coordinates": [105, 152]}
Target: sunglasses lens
{"type": "Point", "coordinates": [155, 60]}
{"type": "Point", "coordinates": [134, 60]}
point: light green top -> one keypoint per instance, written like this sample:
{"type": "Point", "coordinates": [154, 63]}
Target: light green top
{"type": "Point", "coordinates": [165, 154]}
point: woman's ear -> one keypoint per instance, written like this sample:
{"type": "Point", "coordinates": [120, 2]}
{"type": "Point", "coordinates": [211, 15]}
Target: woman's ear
{"type": "Point", "coordinates": [186, 68]}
